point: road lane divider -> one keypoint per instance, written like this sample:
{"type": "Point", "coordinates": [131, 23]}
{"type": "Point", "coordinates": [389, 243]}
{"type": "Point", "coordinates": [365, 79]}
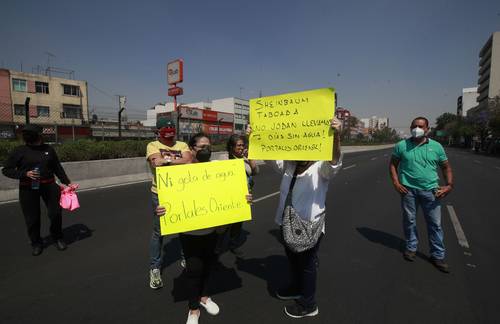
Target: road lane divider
{"type": "Point", "coordinates": [462, 240]}
{"type": "Point", "coordinates": [373, 158]}
{"type": "Point", "coordinates": [476, 161]}
{"type": "Point", "coordinates": [266, 196]}
{"type": "Point", "coordinates": [350, 166]}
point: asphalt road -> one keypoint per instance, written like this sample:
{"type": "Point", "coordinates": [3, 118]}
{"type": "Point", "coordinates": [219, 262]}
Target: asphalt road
{"type": "Point", "coordinates": [103, 276]}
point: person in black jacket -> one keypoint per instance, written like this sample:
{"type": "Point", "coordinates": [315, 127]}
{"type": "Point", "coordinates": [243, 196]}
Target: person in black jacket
{"type": "Point", "coordinates": [35, 165]}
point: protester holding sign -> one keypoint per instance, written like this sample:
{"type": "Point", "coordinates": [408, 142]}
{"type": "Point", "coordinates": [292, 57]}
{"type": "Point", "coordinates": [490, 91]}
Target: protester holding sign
{"type": "Point", "coordinates": [237, 148]}
{"type": "Point", "coordinates": [35, 165]}
{"type": "Point", "coordinates": [301, 214]}
{"type": "Point", "coordinates": [164, 151]}
{"type": "Point", "coordinates": [198, 247]}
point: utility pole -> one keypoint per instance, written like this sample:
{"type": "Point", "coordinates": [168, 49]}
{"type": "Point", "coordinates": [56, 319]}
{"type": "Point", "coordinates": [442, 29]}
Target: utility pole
{"type": "Point", "coordinates": [121, 108]}
{"type": "Point", "coordinates": [27, 110]}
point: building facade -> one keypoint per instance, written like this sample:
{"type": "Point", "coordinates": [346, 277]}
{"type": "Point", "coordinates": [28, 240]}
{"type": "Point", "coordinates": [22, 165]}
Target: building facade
{"type": "Point", "coordinates": [191, 120]}
{"type": "Point", "coordinates": [467, 101]}
{"type": "Point", "coordinates": [53, 101]}
{"type": "Point", "coordinates": [237, 113]}
{"type": "Point", "coordinates": [489, 71]}
{"type": "Point", "coordinates": [375, 122]}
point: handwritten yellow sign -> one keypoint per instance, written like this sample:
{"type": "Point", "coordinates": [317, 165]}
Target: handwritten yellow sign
{"type": "Point", "coordinates": [202, 195]}
{"type": "Point", "coordinates": [293, 126]}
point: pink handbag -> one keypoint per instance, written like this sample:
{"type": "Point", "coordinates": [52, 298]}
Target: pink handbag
{"type": "Point", "coordinates": [69, 200]}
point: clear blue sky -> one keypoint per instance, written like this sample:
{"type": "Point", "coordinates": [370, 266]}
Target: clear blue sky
{"type": "Point", "coordinates": [393, 58]}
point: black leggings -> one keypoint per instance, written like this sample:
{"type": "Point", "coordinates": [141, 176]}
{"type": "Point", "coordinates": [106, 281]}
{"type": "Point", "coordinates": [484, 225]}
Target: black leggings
{"type": "Point", "coordinates": [30, 205]}
{"type": "Point", "coordinates": [199, 252]}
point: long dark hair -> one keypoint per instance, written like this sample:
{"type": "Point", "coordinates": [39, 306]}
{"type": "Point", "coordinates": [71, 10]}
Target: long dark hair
{"type": "Point", "coordinates": [196, 137]}
{"type": "Point", "coordinates": [231, 143]}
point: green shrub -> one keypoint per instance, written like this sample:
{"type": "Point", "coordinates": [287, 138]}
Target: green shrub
{"type": "Point", "coordinates": [88, 149]}
{"type": "Point", "coordinates": [6, 147]}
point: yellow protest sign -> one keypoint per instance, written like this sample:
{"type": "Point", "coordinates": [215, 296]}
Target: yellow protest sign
{"type": "Point", "coordinates": [202, 195]}
{"type": "Point", "coordinates": [293, 126]}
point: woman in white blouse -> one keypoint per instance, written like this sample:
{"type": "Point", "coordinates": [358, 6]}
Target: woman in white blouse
{"type": "Point", "coordinates": [308, 199]}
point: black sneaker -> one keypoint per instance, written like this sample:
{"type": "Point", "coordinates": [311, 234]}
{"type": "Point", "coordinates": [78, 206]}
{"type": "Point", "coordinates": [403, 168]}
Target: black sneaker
{"type": "Point", "coordinates": [287, 294]}
{"type": "Point", "coordinates": [37, 250]}
{"type": "Point", "coordinates": [409, 255]}
{"type": "Point", "coordinates": [298, 311]}
{"type": "Point", "coordinates": [60, 245]}
{"type": "Point", "coordinates": [440, 264]}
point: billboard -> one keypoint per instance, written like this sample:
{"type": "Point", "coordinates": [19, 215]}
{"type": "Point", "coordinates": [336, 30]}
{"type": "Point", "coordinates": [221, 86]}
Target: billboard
{"type": "Point", "coordinates": [191, 113]}
{"type": "Point", "coordinates": [209, 115]}
{"type": "Point", "coordinates": [212, 129]}
{"type": "Point", "coordinates": [189, 127]}
{"type": "Point", "coordinates": [175, 72]}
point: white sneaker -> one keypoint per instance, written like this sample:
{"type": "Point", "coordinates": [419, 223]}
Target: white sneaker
{"type": "Point", "coordinates": [210, 307]}
{"type": "Point", "coordinates": [192, 318]}
{"type": "Point", "coordinates": [155, 281]}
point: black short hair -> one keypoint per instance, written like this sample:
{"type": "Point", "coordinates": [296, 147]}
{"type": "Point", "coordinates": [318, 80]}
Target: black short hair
{"type": "Point", "coordinates": [231, 143]}
{"type": "Point", "coordinates": [422, 118]}
{"type": "Point", "coordinates": [196, 137]}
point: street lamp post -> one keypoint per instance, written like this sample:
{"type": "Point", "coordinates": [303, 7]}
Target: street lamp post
{"type": "Point", "coordinates": [218, 129]}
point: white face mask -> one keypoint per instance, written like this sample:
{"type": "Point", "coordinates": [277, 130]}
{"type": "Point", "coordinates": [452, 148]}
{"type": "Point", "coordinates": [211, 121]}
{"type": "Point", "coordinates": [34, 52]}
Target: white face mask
{"type": "Point", "coordinates": [417, 132]}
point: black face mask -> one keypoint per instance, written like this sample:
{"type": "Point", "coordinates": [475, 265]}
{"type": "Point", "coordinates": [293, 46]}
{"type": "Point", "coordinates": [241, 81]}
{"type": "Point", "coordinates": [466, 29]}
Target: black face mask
{"type": "Point", "coordinates": [204, 154]}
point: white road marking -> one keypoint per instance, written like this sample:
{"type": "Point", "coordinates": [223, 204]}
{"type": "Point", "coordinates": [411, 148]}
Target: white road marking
{"type": "Point", "coordinates": [373, 158]}
{"type": "Point", "coordinates": [476, 161]}
{"type": "Point", "coordinates": [266, 196]}
{"type": "Point", "coordinates": [385, 154]}
{"type": "Point", "coordinates": [462, 240]}
{"type": "Point", "coordinates": [90, 189]}
{"type": "Point", "coordinates": [348, 167]}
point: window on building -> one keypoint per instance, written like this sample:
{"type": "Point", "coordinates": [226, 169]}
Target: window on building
{"type": "Point", "coordinates": [71, 90]}
{"type": "Point", "coordinates": [41, 87]}
{"type": "Point", "coordinates": [19, 85]}
{"type": "Point", "coordinates": [43, 111]}
{"type": "Point", "coordinates": [19, 110]}
{"type": "Point", "coordinates": [72, 111]}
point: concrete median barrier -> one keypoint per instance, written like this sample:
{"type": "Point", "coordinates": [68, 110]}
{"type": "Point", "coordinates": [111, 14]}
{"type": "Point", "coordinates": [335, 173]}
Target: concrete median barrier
{"type": "Point", "coordinates": [105, 173]}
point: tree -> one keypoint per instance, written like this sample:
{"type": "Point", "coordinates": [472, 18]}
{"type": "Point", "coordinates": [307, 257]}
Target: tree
{"type": "Point", "coordinates": [444, 119]}
{"type": "Point", "coordinates": [385, 135]}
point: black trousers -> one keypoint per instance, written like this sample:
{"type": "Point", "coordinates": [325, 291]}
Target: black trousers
{"type": "Point", "coordinates": [30, 205]}
{"type": "Point", "coordinates": [304, 270]}
{"type": "Point", "coordinates": [199, 252]}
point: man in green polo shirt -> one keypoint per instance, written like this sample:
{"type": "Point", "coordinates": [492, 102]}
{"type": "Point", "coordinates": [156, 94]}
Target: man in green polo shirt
{"type": "Point", "coordinates": [414, 174]}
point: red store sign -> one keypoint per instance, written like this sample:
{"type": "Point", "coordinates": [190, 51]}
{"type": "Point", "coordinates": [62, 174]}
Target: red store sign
{"type": "Point", "coordinates": [209, 115]}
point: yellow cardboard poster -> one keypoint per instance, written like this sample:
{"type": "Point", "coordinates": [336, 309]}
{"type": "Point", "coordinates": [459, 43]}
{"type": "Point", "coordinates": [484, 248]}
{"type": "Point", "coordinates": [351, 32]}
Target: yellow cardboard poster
{"type": "Point", "coordinates": [202, 195]}
{"type": "Point", "coordinates": [293, 126]}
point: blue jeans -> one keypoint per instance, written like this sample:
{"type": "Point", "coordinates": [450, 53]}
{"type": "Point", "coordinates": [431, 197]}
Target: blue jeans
{"type": "Point", "coordinates": [431, 207]}
{"type": "Point", "coordinates": [156, 241]}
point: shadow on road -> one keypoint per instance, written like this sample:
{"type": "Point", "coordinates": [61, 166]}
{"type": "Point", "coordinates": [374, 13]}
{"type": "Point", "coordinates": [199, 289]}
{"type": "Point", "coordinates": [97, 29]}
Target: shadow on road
{"type": "Point", "coordinates": [386, 239]}
{"type": "Point", "coordinates": [71, 234]}
{"type": "Point", "coordinates": [171, 252]}
{"type": "Point", "coordinates": [273, 269]}
{"type": "Point", "coordinates": [222, 279]}
{"type": "Point", "coordinates": [277, 235]}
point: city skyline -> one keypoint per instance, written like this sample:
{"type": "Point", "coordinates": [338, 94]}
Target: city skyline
{"type": "Point", "coordinates": [391, 58]}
